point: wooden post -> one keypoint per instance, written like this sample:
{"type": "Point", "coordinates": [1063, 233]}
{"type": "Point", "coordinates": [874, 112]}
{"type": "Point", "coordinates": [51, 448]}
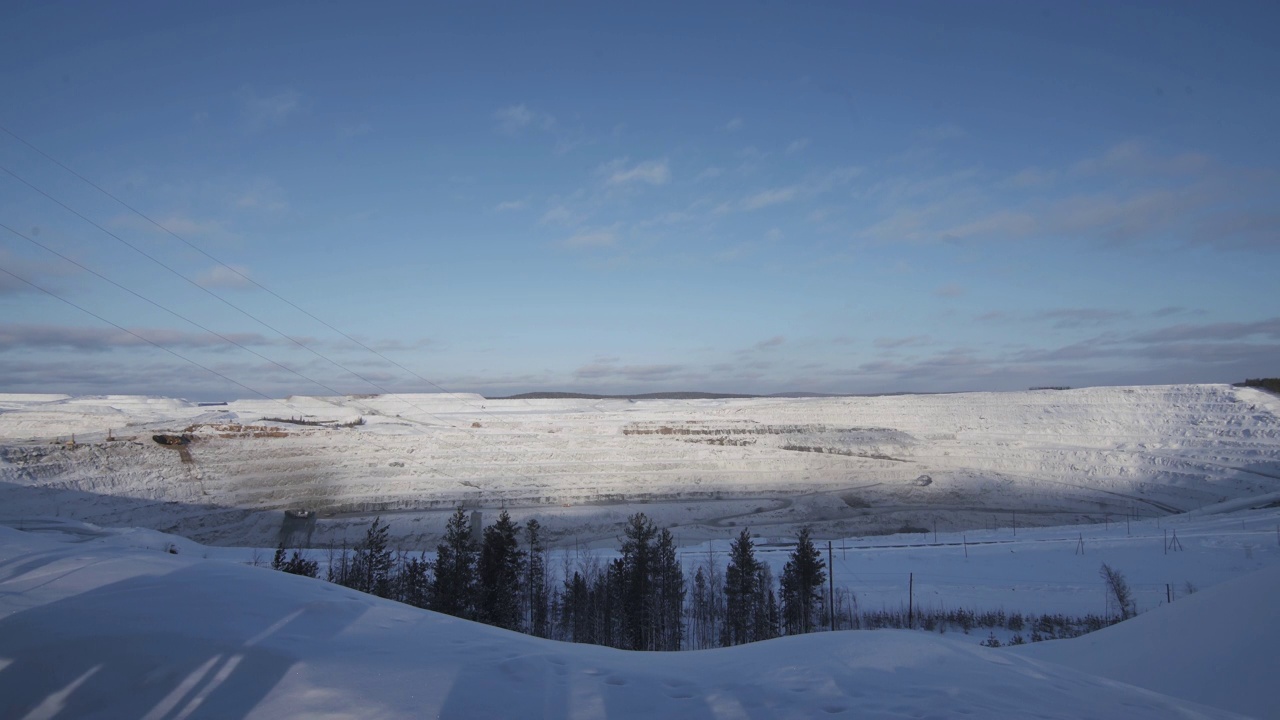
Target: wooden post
{"type": "Point", "coordinates": [935, 532]}
{"type": "Point", "coordinates": [965, 539]}
{"type": "Point", "coordinates": [831, 587]}
{"type": "Point", "coordinates": [911, 598]}
{"type": "Point", "coordinates": [1168, 593]}
{"type": "Point", "coordinates": [1015, 523]}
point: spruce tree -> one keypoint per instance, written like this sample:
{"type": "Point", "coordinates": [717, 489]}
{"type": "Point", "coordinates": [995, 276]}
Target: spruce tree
{"type": "Point", "coordinates": [413, 582]}
{"type": "Point", "coordinates": [453, 583]}
{"type": "Point", "coordinates": [372, 563]}
{"type": "Point", "coordinates": [638, 562]}
{"type": "Point", "coordinates": [499, 575]}
{"type": "Point", "coordinates": [802, 579]}
{"type": "Point", "coordinates": [766, 621]}
{"type": "Point", "coordinates": [669, 593]}
{"type": "Point", "coordinates": [741, 591]}
{"type": "Point", "coordinates": [537, 591]}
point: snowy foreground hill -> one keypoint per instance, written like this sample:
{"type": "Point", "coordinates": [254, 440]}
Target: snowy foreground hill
{"type": "Point", "coordinates": [848, 467]}
{"type": "Point", "coordinates": [104, 624]}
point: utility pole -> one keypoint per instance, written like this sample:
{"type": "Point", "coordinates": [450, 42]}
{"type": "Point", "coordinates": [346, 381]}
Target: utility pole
{"type": "Point", "coordinates": [831, 588]}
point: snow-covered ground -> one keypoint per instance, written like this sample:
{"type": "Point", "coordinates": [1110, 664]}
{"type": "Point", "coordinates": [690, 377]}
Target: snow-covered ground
{"type": "Point", "coordinates": [847, 466]}
{"type": "Point", "coordinates": [101, 623]}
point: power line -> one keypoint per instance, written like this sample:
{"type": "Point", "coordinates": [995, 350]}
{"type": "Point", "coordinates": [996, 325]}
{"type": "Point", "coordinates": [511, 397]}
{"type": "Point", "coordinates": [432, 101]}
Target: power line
{"type": "Point", "coordinates": [174, 353]}
{"type": "Point", "coordinates": [211, 293]}
{"type": "Point", "coordinates": [121, 328]}
{"type": "Point", "coordinates": [254, 283]}
{"type": "Point", "coordinates": [244, 277]}
{"type": "Point", "coordinates": [168, 310]}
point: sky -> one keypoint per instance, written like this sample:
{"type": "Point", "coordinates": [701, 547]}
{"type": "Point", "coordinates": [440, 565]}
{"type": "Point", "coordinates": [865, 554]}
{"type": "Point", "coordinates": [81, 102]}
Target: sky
{"type": "Point", "coordinates": [732, 197]}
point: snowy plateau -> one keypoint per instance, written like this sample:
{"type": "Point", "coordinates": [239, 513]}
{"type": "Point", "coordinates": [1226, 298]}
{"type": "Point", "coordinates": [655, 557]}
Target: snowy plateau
{"type": "Point", "coordinates": [128, 522]}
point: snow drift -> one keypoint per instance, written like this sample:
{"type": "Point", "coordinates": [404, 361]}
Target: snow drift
{"type": "Point", "coordinates": [91, 626]}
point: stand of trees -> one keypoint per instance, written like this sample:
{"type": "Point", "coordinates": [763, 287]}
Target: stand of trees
{"type": "Point", "coordinates": [643, 599]}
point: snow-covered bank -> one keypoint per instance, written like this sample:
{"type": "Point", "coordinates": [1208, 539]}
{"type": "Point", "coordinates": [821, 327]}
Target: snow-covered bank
{"type": "Point", "coordinates": [92, 628]}
{"type": "Point", "coordinates": [848, 466]}
{"type": "Point", "coordinates": [1216, 647]}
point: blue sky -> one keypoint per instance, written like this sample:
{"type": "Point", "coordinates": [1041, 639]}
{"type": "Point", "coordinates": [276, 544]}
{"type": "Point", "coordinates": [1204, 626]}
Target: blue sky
{"type": "Point", "coordinates": [764, 197]}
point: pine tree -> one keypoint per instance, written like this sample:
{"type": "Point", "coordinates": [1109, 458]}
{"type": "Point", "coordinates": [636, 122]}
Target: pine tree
{"type": "Point", "coordinates": [298, 564]}
{"type": "Point", "coordinates": [372, 563]}
{"type": "Point", "coordinates": [802, 579]}
{"type": "Point", "coordinates": [741, 591]}
{"type": "Point", "coordinates": [1119, 590]}
{"type": "Point", "coordinates": [500, 574]}
{"type": "Point", "coordinates": [453, 583]}
{"type": "Point", "coordinates": [413, 582]}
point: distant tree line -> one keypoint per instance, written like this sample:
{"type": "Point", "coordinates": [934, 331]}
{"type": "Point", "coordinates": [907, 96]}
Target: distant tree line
{"type": "Point", "coordinates": [643, 599]}
{"type": "Point", "coordinates": [1272, 384]}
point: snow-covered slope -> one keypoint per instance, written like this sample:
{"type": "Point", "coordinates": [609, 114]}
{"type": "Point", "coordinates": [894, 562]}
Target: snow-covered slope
{"type": "Point", "coordinates": [849, 465]}
{"type": "Point", "coordinates": [91, 627]}
{"type": "Point", "coordinates": [1216, 647]}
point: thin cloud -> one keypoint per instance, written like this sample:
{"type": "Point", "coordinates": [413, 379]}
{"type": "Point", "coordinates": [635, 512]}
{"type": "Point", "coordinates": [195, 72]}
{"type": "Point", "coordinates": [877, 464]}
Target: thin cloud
{"type": "Point", "coordinates": [797, 145]}
{"type": "Point", "coordinates": [259, 112]}
{"type": "Point", "coordinates": [733, 125]}
{"type": "Point", "coordinates": [513, 119]}
{"type": "Point", "coordinates": [511, 205]}
{"type": "Point", "coordinates": [90, 339]}
{"type": "Point", "coordinates": [766, 198]}
{"type": "Point", "coordinates": [224, 276]}
{"type": "Point", "coordinates": [1064, 318]}
{"type": "Point", "coordinates": [897, 342]}
{"type": "Point", "coordinates": [652, 172]}
{"type": "Point", "coordinates": [1213, 331]}
{"type": "Point", "coordinates": [587, 239]}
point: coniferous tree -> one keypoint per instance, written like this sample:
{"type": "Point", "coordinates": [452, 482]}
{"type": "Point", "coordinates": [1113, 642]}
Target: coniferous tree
{"type": "Point", "coordinates": [339, 572]}
{"type": "Point", "coordinates": [278, 561]}
{"type": "Point", "coordinates": [372, 562]}
{"type": "Point", "coordinates": [1118, 588]}
{"type": "Point", "coordinates": [767, 616]}
{"type": "Point", "coordinates": [636, 571]}
{"type": "Point", "coordinates": [499, 575]}
{"type": "Point", "coordinates": [802, 579]}
{"type": "Point", "coordinates": [699, 620]}
{"type": "Point", "coordinates": [537, 590]}
{"type": "Point", "coordinates": [577, 610]}
{"type": "Point", "coordinates": [453, 583]}
{"type": "Point", "coordinates": [741, 591]}
{"type": "Point", "coordinates": [295, 564]}
{"type": "Point", "coordinates": [669, 593]}
{"type": "Point", "coordinates": [413, 582]}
